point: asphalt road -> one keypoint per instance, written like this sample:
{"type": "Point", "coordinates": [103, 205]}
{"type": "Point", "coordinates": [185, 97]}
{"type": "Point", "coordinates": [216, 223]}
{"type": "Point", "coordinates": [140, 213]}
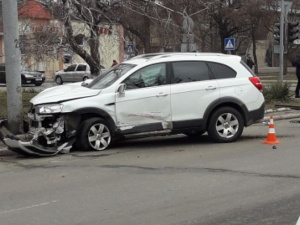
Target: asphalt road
{"type": "Point", "coordinates": [159, 181]}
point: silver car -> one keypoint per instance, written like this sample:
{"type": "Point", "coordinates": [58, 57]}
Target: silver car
{"type": "Point", "coordinates": [75, 73]}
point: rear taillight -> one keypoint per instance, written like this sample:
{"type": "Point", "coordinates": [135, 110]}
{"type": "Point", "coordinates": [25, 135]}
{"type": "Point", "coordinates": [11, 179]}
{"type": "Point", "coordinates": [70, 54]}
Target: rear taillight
{"type": "Point", "coordinates": [256, 82]}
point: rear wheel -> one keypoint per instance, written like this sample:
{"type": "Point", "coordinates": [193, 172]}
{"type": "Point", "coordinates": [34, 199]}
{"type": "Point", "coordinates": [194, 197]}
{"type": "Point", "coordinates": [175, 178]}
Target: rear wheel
{"type": "Point", "coordinates": [85, 78]}
{"type": "Point", "coordinates": [59, 80]}
{"type": "Point", "coordinates": [95, 135]}
{"type": "Point", "coordinates": [225, 125]}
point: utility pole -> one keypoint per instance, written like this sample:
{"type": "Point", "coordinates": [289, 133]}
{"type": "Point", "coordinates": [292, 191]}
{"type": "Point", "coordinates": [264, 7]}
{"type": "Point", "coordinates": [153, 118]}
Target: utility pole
{"type": "Point", "coordinates": [281, 47]}
{"type": "Point", "coordinates": [12, 66]}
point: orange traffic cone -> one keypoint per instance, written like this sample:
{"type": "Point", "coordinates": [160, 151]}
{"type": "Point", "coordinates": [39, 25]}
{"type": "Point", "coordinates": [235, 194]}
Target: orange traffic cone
{"type": "Point", "coordinates": [271, 138]}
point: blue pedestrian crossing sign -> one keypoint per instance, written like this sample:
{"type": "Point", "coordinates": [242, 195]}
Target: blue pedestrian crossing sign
{"type": "Point", "coordinates": [229, 44]}
{"type": "Point", "coordinates": [130, 49]}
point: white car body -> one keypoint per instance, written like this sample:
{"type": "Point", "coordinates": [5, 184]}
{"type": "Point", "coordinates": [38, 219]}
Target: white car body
{"type": "Point", "coordinates": [178, 104]}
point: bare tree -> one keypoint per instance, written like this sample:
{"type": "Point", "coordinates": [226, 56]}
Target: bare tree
{"type": "Point", "coordinates": [90, 13]}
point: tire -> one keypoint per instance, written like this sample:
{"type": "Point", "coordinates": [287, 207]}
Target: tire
{"type": "Point", "coordinates": [59, 80]}
{"type": "Point", "coordinates": [85, 78]}
{"type": "Point", "coordinates": [194, 134]}
{"type": "Point", "coordinates": [225, 125]}
{"type": "Point", "coordinates": [95, 135]}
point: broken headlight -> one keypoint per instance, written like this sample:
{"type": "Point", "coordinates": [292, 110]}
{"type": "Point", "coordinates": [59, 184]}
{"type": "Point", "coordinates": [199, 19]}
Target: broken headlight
{"type": "Point", "coordinates": [49, 109]}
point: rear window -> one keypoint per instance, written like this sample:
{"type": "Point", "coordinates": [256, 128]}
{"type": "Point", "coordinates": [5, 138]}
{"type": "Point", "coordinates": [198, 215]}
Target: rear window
{"type": "Point", "coordinates": [221, 71]}
{"type": "Point", "coordinates": [81, 68]}
{"type": "Point", "coordinates": [248, 68]}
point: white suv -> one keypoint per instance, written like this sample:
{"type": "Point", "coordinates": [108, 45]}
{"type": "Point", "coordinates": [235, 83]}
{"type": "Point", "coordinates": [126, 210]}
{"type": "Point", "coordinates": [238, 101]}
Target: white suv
{"type": "Point", "coordinates": [166, 93]}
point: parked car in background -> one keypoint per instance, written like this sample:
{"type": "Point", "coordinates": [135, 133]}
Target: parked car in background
{"type": "Point", "coordinates": [27, 77]}
{"type": "Point", "coordinates": [75, 73]}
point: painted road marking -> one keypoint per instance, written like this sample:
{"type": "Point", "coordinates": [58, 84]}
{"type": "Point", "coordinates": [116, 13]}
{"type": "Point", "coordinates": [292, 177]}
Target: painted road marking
{"type": "Point", "coordinates": [28, 207]}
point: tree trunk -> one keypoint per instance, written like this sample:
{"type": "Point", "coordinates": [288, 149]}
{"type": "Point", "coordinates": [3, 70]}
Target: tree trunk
{"type": "Point", "coordinates": [147, 35]}
{"type": "Point", "coordinates": [92, 59]}
{"type": "Point", "coordinates": [94, 48]}
{"type": "Point", "coordinates": [222, 37]}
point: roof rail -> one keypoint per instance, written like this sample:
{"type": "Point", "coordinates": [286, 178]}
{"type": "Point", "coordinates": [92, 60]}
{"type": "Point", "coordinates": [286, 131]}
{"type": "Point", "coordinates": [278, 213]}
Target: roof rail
{"type": "Point", "coordinates": [158, 55]}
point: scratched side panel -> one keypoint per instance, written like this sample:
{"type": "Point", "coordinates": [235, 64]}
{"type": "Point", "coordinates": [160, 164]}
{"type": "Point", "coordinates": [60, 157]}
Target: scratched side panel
{"type": "Point", "coordinates": [143, 107]}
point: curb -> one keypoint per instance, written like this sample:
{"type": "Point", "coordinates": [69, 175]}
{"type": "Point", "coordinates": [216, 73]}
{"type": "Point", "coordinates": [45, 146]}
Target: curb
{"type": "Point", "coordinates": [281, 117]}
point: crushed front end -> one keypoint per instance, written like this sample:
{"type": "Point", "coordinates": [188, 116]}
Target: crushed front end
{"type": "Point", "coordinates": [49, 132]}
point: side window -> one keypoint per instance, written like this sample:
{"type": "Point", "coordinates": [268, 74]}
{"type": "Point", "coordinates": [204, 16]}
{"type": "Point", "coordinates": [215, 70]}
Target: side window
{"type": "Point", "coordinates": [189, 72]}
{"type": "Point", "coordinates": [147, 77]}
{"type": "Point", "coordinates": [81, 68]}
{"type": "Point", "coordinates": [221, 71]}
{"type": "Point", "coordinates": [70, 68]}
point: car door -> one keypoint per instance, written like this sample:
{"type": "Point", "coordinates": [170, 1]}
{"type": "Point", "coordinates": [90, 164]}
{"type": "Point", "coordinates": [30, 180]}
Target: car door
{"type": "Point", "coordinates": [69, 73]}
{"type": "Point", "coordinates": [145, 104]}
{"type": "Point", "coordinates": [79, 73]}
{"type": "Point", "coordinates": [193, 89]}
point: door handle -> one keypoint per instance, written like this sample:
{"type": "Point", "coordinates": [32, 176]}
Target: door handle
{"type": "Point", "coordinates": [161, 94]}
{"type": "Point", "coordinates": [211, 88]}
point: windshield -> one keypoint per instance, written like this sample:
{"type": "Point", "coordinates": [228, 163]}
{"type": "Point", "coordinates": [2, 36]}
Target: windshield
{"type": "Point", "coordinates": [106, 79]}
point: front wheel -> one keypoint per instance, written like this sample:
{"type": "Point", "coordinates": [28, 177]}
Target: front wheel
{"type": "Point", "coordinates": [59, 80]}
{"type": "Point", "coordinates": [225, 125]}
{"type": "Point", "coordinates": [95, 135]}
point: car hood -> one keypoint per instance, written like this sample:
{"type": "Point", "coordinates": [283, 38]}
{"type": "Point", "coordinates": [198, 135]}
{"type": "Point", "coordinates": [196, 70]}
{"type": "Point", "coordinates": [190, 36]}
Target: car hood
{"type": "Point", "coordinates": [63, 93]}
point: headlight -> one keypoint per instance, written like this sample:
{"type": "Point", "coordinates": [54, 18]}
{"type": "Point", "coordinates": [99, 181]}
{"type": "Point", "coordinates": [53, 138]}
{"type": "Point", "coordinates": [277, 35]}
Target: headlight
{"type": "Point", "coordinates": [28, 76]}
{"type": "Point", "coordinates": [49, 109]}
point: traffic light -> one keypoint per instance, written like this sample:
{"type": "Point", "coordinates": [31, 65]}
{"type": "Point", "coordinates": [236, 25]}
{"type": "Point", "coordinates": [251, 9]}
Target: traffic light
{"type": "Point", "coordinates": [292, 32]}
{"type": "Point", "coordinates": [277, 32]}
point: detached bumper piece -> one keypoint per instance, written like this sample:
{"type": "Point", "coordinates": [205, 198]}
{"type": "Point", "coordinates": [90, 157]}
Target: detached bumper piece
{"type": "Point", "coordinates": [29, 144]}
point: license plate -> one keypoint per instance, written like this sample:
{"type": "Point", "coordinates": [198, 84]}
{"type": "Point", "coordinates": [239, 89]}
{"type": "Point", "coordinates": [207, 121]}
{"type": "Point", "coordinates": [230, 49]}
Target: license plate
{"type": "Point", "coordinates": [38, 79]}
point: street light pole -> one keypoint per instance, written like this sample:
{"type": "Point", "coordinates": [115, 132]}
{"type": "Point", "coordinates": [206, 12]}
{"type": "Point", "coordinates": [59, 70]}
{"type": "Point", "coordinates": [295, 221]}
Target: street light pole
{"type": "Point", "coordinates": [12, 66]}
{"type": "Point", "coordinates": [281, 41]}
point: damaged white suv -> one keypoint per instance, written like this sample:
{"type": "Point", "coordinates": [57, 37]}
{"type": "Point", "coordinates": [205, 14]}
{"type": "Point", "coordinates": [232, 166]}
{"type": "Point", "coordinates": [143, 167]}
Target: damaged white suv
{"type": "Point", "coordinates": [164, 93]}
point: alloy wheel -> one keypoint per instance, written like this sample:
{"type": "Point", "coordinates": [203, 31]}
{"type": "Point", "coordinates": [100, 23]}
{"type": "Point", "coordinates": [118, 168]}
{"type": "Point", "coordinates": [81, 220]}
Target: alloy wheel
{"type": "Point", "coordinates": [227, 125]}
{"type": "Point", "coordinates": [99, 136]}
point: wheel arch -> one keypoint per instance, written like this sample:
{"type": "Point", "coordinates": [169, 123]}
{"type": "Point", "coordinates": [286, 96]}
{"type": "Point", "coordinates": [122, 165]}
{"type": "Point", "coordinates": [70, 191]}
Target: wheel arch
{"type": "Point", "coordinates": [226, 102]}
{"type": "Point", "coordinates": [90, 112]}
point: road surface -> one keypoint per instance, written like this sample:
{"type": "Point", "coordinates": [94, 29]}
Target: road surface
{"type": "Point", "coordinates": [163, 180]}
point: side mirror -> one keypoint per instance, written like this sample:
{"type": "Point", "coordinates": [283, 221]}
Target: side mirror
{"type": "Point", "coordinates": [121, 89]}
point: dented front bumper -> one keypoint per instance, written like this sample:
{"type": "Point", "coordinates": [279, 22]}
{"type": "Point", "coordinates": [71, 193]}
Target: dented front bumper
{"type": "Point", "coordinates": [48, 136]}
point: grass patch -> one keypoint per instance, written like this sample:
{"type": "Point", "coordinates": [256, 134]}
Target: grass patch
{"type": "Point", "coordinates": [277, 92]}
{"type": "Point", "coordinates": [26, 96]}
